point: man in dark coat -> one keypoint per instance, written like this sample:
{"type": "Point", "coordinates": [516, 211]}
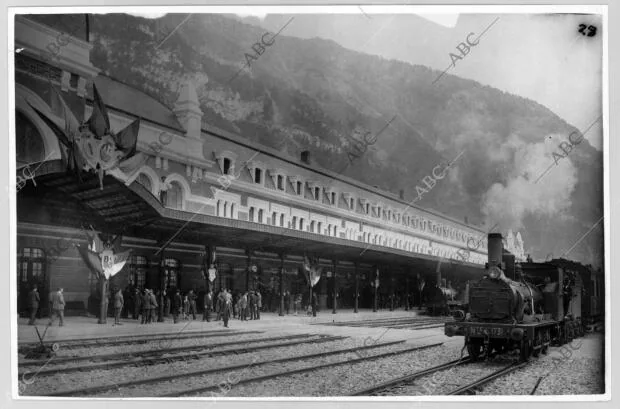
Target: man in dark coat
{"type": "Point", "coordinates": [259, 304]}
{"type": "Point", "coordinates": [154, 305]}
{"type": "Point", "coordinates": [219, 305]}
{"type": "Point", "coordinates": [176, 306]}
{"type": "Point", "coordinates": [137, 304]}
{"type": "Point", "coordinates": [33, 304]}
{"type": "Point", "coordinates": [252, 305]}
{"type": "Point", "coordinates": [146, 306]}
{"type": "Point", "coordinates": [119, 302]}
{"type": "Point", "coordinates": [315, 303]}
{"type": "Point", "coordinates": [287, 302]}
{"type": "Point", "coordinates": [208, 304]}
{"type": "Point", "coordinates": [226, 307]}
{"type": "Point", "coordinates": [192, 304]}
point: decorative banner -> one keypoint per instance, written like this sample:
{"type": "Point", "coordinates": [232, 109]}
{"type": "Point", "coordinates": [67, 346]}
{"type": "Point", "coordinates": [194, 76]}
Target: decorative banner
{"type": "Point", "coordinates": [92, 145]}
{"type": "Point", "coordinates": [103, 256]}
{"type": "Point", "coordinates": [313, 272]}
{"type": "Point", "coordinates": [212, 273]}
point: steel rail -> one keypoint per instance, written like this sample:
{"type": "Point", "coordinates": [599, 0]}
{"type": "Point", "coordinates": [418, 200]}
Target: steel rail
{"type": "Point", "coordinates": [105, 340]}
{"type": "Point", "coordinates": [157, 351]}
{"type": "Point", "coordinates": [486, 379]}
{"type": "Point", "coordinates": [145, 340]}
{"type": "Point", "coordinates": [196, 355]}
{"type": "Point", "coordinates": [103, 388]}
{"type": "Point", "coordinates": [302, 370]}
{"type": "Point", "coordinates": [409, 378]}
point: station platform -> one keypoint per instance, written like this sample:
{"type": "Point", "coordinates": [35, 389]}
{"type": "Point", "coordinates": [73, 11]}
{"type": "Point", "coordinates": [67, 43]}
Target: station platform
{"type": "Point", "coordinates": [84, 327]}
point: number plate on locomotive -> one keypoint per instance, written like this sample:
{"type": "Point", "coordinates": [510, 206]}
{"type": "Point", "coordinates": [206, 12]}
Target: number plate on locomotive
{"type": "Point", "coordinates": [488, 331]}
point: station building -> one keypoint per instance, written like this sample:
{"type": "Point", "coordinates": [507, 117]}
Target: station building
{"type": "Point", "coordinates": [206, 196]}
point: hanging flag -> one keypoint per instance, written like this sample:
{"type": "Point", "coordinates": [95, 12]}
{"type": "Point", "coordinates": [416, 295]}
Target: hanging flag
{"type": "Point", "coordinates": [103, 256]}
{"type": "Point", "coordinates": [99, 122]}
{"type": "Point", "coordinates": [93, 145]}
{"type": "Point", "coordinates": [312, 272]}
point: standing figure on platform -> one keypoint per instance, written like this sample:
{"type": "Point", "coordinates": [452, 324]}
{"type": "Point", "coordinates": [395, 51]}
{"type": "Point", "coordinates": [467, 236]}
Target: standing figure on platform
{"type": "Point", "coordinates": [176, 306]}
{"type": "Point", "coordinates": [287, 301]}
{"type": "Point", "coordinates": [259, 304]}
{"type": "Point", "coordinates": [33, 304]}
{"type": "Point", "coordinates": [315, 304]}
{"type": "Point", "coordinates": [297, 303]}
{"type": "Point", "coordinates": [119, 302]}
{"type": "Point", "coordinates": [227, 307]}
{"type": "Point", "coordinates": [243, 306]}
{"type": "Point", "coordinates": [154, 306]}
{"type": "Point", "coordinates": [192, 304]}
{"type": "Point", "coordinates": [126, 302]}
{"type": "Point", "coordinates": [146, 306]}
{"type": "Point", "coordinates": [208, 304]}
{"type": "Point", "coordinates": [252, 304]}
{"type": "Point", "coordinates": [58, 308]}
{"type": "Point", "coordinates": [219, 304]}
{"type": "Point", "coordinates": [137, 304]}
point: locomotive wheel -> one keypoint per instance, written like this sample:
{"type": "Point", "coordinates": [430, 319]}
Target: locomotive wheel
{"type": "Point", "coordinates": [475, 348]}
{"type": "Point", "coordinates": [538, 341]}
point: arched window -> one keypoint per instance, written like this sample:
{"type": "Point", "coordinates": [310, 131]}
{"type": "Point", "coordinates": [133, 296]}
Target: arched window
{"type": "Point", "coordinates": [232, 210]}
{"type": "Point", "coordinates": [260, 215]}
{"type": "Point", "coordinates": [294, 222]}
{"type": "Point", "coordinates": [225, 209]}
{"type": "Point", "coordinates": [251, 214]}
{"type": "Point", "coordinates": [329, 229]}
{"type": "Point", "coordinates": [282, 220]}
{"type": "Point", "coordinates": [138, 266]}
{"type": "Point", "coordinates": [274, 217]}
{"type": "Point", "coordinates": [335, 231]}
{"type": "Point", "coordinates": [227, 166]}
{"type": "Point", "coordinates": [145, 181]}
{"type": "Point", "coordinates": [301, 223]}
{"type": "Point", "coordinates": [29, 144]}
{"type": "Point", "coordinates": [319, 228]}
{"type": "Point", "coordinates": [312, 226]}
{"type": "Point", "coordinates": [171, 272]}
{"type": "Point", "coordinates": [174, 198]}
{"type": "Point", "coordinates": [299, 188]}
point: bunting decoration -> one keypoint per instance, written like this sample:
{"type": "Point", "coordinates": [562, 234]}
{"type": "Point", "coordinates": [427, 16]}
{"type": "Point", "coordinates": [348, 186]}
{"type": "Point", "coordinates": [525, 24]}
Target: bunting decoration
{"type": "Point", "coordinates": [92, 146]}
{"type": "Point", "coordinates": [312, 271]}
{"type": "Point", "coordinates": [104, 256]}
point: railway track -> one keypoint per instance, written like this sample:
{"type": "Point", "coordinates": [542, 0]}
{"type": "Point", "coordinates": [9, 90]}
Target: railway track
{"type": "Point", "coordinates": [159, 379]}
{"type": "Point", "coordinates": [156, 356]}
{"type": "Point", "coordinates": [132, 339]}
{"type": "Point", "coordinates": [470, 387]}
{"type": "Point", "coordinates": [402, 384]}
{"type": "Point", "coordinates": [388, 385]}
{"type": "Point", "coordinates": [214, 387]}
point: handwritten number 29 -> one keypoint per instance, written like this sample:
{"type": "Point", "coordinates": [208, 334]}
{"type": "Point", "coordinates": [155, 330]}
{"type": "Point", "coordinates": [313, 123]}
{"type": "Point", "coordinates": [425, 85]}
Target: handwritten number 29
{"type": "Point", "coordinates": [591, 30]}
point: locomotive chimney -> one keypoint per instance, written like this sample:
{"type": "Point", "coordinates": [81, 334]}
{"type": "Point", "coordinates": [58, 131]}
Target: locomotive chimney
{"type": "Point", "coordinates": [495, 250]}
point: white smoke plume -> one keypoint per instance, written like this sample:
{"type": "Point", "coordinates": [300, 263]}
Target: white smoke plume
{"type": "Point", "coordinates": [525, 191]}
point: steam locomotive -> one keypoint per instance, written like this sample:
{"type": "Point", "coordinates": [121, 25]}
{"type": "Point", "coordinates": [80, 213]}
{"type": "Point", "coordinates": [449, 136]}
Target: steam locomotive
{"type": "Point", "coordinates": [540, 304]}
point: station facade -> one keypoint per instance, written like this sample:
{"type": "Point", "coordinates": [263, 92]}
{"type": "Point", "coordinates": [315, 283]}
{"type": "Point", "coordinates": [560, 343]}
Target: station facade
{"type": "Point", "coordinates": [206, 196]}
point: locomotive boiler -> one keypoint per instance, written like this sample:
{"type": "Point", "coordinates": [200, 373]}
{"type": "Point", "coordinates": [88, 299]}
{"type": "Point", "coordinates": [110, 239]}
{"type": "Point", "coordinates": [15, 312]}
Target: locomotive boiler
{"type": "Point", "coordinates": [539, 304]}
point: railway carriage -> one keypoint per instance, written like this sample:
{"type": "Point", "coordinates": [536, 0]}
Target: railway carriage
{"type": "Point", "coordinates": [539, 305]}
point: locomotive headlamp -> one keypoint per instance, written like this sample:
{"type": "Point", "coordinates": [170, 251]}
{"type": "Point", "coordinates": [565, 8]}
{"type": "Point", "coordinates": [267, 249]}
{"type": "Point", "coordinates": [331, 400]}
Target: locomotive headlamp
{"type": "Point", "coordinates": [516, 334]}
{"type": "Point", "coordinates": [495, 273]}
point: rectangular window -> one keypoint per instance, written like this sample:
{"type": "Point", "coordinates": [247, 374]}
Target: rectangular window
{"type": "Point", "coordinates": [333, 198]}
{"type": "Point", "coordinates": [280, 182]}
{"type": "Point", "coordinates": [299, 188]}
{"type": "Point", "coordinates": [258, 173]}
